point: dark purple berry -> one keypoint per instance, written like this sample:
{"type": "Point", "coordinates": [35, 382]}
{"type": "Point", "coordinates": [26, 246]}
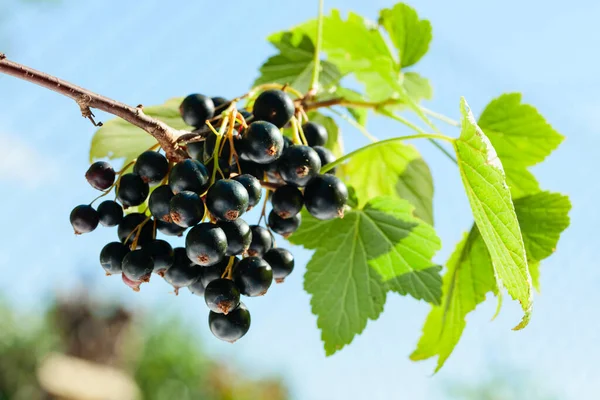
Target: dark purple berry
{"type": "Point", "coordinates": [84, 219]}
{"type": "Point", "coordinates": [110, 213]}
{"type": "Point", "coordinates": [326, 157]}
{"type": "Point", "coordinates": [220, 104]}
{"type": "Point", "coordinates": [183, 272]}
{"type": "Point", "coordinates": [287, 201]}
{"type": "Point", "coordinates": [222, 296]}
{"type": "Point", "coordinates": [263, 142]}
{"type": "Point", "coordinates": [100, 175]}
{"type": "Point", "coordinates": [130, 223]}
{"type": "Point", "coordinates": [253, 188]}
{"type": "Point", "coordinates": [252, 168]}
{"type": "Point", "coordinates": [253, 276]}
{"type": "Point", "coordinates": [189, 175]}
{"type": "Point", "coordinates": [169, 228]}
{"type": "Point", "coordinates": [206, 244]}
{"type": "Point", "coordinates": [187, 209]}
{"type": "Point", "coordinates": [111, 257]}
{"type": "Point", "coordinates": [132, 190]}
{"type": "Point", "coordinates": [216, 271]}
{"type": "Point", "coordinates": [230, 327]}
{"type": "Point", "coordinates": [159, 203]}
{"type": "Point", "coordinates": [195, 150]}
{"type": "Point", "coordinates": [262, 241]}
{"type": "Point", "coordinates": [162, 254]}
{"type": "Point", "coordinates": [298, 165]}
{"type": "Point", "coordinates": [138, 265]}
{"type": "Point", "coordinates": [151, 166]}
{"type": "Point", "coordinates": [227, 199]}
{"type": "Point", "coordinates": [281, 262]}
{"type": "Point", "coordinates": [238, 236]}
{"type": "Point", "coordinates": [197, 288]}
{"type": "Point", "coordinates": [196, 109]}
{"type": "Point", "coordinates": [274, 106]}
{"type": "Point", "coordinates": [325, 197]}
{"type": "Point", "coordinates": [284, 227]}
{"type": "Point", "coordinates": [315, 134]}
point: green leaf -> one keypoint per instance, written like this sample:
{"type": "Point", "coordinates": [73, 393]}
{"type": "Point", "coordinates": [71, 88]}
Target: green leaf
{"type": "Point", "coordinates": [410, 35]}
{"type": "Point", "coordinates": [118, 139]}
{"type": "Point", "coordinates": [359, 114]}
{"type": "Point", "coordinates": [493, 210]}
{"type": "Point", "coordinates": [521, 137]}
{"type": "Point", "coordinates": [295, 63]}
{"type": "Point", "coordinates": [358, 258]}
{"type": "Point", "coordinates": [417, 87]}
{"type": "Point", "coordinates": [334, 139]}
{"type": "Point", "coordinates": [396, 169]}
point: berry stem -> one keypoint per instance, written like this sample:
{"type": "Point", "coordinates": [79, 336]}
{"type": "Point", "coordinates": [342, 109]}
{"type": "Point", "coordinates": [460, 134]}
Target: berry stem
{"type": "Point", "coordinates": [228, 273]}
{"type": "Point", "coordinates": [264, 208]}
{"type": "Point", "coordinates": [314, 86]}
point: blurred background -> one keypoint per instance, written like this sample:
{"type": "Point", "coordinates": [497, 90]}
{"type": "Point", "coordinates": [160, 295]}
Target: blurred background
{"type": "Point", "coordinates": [68, 332]}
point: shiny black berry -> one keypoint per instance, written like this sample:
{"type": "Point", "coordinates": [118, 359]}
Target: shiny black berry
{"type": "Point", "coordinates": [230, 327]}
{"type": "Point", "coordinates": [326, 157]}
{"type": "Point", "coordinates": [238, 236]}
{"type": "Point", "coordinates": [274, 106]}
{"type": "Point", "coordinates": [284, 227]}
{"type": "Point", "coordinates": [209, 147]}
{"type": "Point", "coordinates": [222, 296]}
{"type": "Point", "coordinates": [281, 262]}
{"type": "Point", "coordinates": [262, 241]}
{"type": "Point", "coordinates": [287, 201]}
{"type": "Point", "coordinates": [195, 150]}
{"type": "Point", "coordinates": [252, 168]}
{"type": "Point", "coordinates": [151, 166]}
{"type": "Point", "coordinates": [138, 265]}
{"type": "Point", "coordinates": [253, 276]}
{"type": "Point", "coordinates": [220, 104]}
{"type": "Point", "coordinates": [325, 197]}
{"type": "Point", "coordinates": [169, 228]}
{"type": "Point", "coordinates": [227, 199]}
{"type": "Point", "coordinates": [262, 142]}
{"type": "Point", "coordinates": [111, 257]}
{"type": "Point", "coordinates": [197, 288]}
{"type": "Point", "coordinates": [132, 190]}
{"type": "Point", "coordinates": [183, 272]}
{"type": "Point", "coordinates": [84, 219]}
{"type": "Point", "coordinates": [196, 109]}
{"type": "Point", "coordinates": [159, 203]}
{"type": "Point", "coordinates": [315, 134]}
{"type": "Point", "coordinates": [253, 188]}
{"type": "Point", "coordinates": [162, 254]}
{"type": "Point", "coordinates": [216, 271]}
{"type": "Point", "coordinates": [206, 244]}
{"type": "Point", "coordinates": [189, 175]}
{"type": "Point", "coordinates": [100, 175]}
{"type": "Point", "coordinates": [110, 213]}
{"type": "Point", "coordinates": [187, 209]}
{"type": "Point", "coordinates": [246, 114]}
{"type": "Point", "coordinates": [130, 223]}
{"type": "Point", "coordinates": [298, 165]}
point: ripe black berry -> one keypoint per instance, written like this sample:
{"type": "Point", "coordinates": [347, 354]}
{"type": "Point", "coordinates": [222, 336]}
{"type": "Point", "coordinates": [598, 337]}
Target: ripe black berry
{"type": "Point", "coordinates": [151, 166]}
{"type": "Point", "coordinates": [169, 228]}
{"type": "Point", "coordinates": [287, 201]}
{"type": "Point", "coordinates": [209, 147]}
{"type": "Point", "coordinates": [129, 224]}
{"type": "Point", "coordinates": [220, 104]}
{"type": "Point", "coordinates": [246, 114]}
{"type": "Point", "coordinates": [222, 296]}
{"type": "Point", "coordinates": [206, 244]}
{"type": "Point", "coordinates": [253, 276]}
{"type": "Point", "coordinates": [232, 326]}
{"type": "Point", "coordinates": [187, 209]}
{"type": "Point", "coordinates": [162, 254]}
{"type": "Point", "coordinates": [138, 265]}
{"type": "Point", "coordinates": [188, 175]}
{"type": "Point", "coordinates": [315, 134]}
{"type": "Point", "coordinates": [111, 257]}
{"type": "Point", "coordinates": [325, 197]}
{"type": "Point", "coordinates": [298, 165]}
{"type": "Point", "coordinates": [262, 142]}
{"type": "Point", "coordinates": [252, 168]}
{"type": "Point", "coordinates": [110, 213]}
{"type": "Point", "coordinates": [159, 203]}
{"type": "Point", "coordinates": [100, 175]}
{"type": "Point", "coordinates": [132, 190]}
{"type": "Point", "coordinates": [197, 287]}
{"type": "Point", "coordinates": [84, 219]}
{"type": "Point", "coordinates": [195, 150]}
{"type": "Point", "coordinates": [196, 109]}
{"type": "Point", "coordinates": [285, 227]}
{"type": "Point", "coordinates": [253, 188]}
{"type": "Point", "coordinates": [274, 106]}
{"type": "Point", "coordinates": [326, 157]}
{"type": "Point", "coordinates": [238, 236]}
{"type": "Point", "coordinates": [216, 271]}
{"type": "Point", "coordinates": [227, 199]}
{"type": "Point", "coordinates": [183, 272]}
{"type": "Point", "coordinates": [262, 241]}
{"type": "Point", "coordinates": [281, 262]}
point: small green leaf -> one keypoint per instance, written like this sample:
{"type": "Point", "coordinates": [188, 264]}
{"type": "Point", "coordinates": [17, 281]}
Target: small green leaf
{"type": "Point", "coordinates": [417, 87]}
{"type": "Point", "coordinates": [118, 139]}
{"type": "Point", "coordinates": [360, 257]}
{"type": "Point", "coordinates": [493, 210]}
{"type": "Point", "coordinates": [334, 139]}
{"type": "Point", "coordinates": [410, 35]}
{"type": "Point", "coordinates": [396, 169]}
{"type": "Point", "coordinates": [359, 114]}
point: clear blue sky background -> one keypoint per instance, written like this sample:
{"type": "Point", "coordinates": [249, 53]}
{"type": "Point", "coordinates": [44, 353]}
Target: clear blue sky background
{"type": "Point", "coordinates": [147, 52]}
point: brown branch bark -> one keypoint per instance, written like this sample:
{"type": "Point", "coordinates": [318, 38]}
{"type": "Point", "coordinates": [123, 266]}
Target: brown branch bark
{"type": "Point", "coordinates": [166, 136]}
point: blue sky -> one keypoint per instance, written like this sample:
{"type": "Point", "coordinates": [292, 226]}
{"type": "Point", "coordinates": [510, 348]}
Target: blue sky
{"type": "Point", "coordinates": [146, 54]}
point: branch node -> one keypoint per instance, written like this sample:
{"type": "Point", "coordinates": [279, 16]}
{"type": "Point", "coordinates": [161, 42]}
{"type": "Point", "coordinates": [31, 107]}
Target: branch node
{"type": "Point", "coordinates": [2, 56]}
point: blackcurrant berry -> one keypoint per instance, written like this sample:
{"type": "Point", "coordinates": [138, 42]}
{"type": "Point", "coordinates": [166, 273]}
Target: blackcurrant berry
{"type": "Point", "coordinates": [325, 197]}
{"type": "Point", "coordinates": [227, 199]}
{"type": "Point", "coordinates": [252, 168]}
{"type": "Point", "coordinates": [169, 228]}
{"type": "Point", "coordinates": [206, 244]}
{"type": "Point", "coordinates": [220, 104]}
{"type": "Point", "coordinates": [197, 287]}
{"type": "Point", "coordinates": [138, 265]}
{"type": "Point", "coordinates": [315, 134]}
{"type": "Point", "coordinates": [130, 224]}
{"type": "Point", "coordinates": [230, 327]}
{"type": "Point", "coordinates": [253, 188]}
{"type": "Point", "coordinates": [281, 262]}
{"type": "Point", "coordinates": [162, 254]}
{"type": "Point", "coordinates": [135, 285]}
{"type": "Point", "coordinates": [196, 109]}
{"type": "Point", "coordinates": [195, 150]}
{"type": "Point", "coordinates": [100, 175]}
{"type": "Point", "coordinates": [238, 236]}
{"type": "Point", "coordinates": [110, 213]}
{"type": "Point", "coordinates": [151, 166]}
{"type": "Point", "coordinates": [209, 147]}
{"type": "Point", "coordinates": [326, 157]}
{"type": "Point", "coordinates": [253, 276]}
{"type": "Point", "coordinates": [187, 209]}
{"type": "Point", "coordinates": [262, 241]}
{"type": "Point", "coordinates": [287, 142]}
{"type": "Point", "coordinates": [188, 175]}
{"type": "Point", "coordinates": [262, 142]}
{"type": "Point", "coordinates": [224, 166]}
{"type": "Point", "coordinates": [246, 114]}
{"type": "Point", "coordinates": [111, 257]}
{"type": "Point", "coordinates": [216, 271]}
{"type": "Point", "coordinates": [285, 227]}
{"type": "Point", "coordinates": [222, 296]}
{"type": "Point", "coordinates": [84, 219]}
{"type": "Point", "coordinates": [183, 272]}
{"type": "Point", "coordinates": [298, 165]}
{"type": "Point", "coordinates": [274, 106]}
{"type": "Point", "coordinates": [132, 190]}
{"type": "Point", "coordinates": [159, 203]}
{"type": "Point", "coordinates": [287, 201]}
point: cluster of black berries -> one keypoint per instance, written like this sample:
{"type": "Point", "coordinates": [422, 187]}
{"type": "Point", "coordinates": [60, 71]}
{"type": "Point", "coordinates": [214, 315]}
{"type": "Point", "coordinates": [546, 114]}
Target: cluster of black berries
{"type": "Point", "coordinates": [224, 257]}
